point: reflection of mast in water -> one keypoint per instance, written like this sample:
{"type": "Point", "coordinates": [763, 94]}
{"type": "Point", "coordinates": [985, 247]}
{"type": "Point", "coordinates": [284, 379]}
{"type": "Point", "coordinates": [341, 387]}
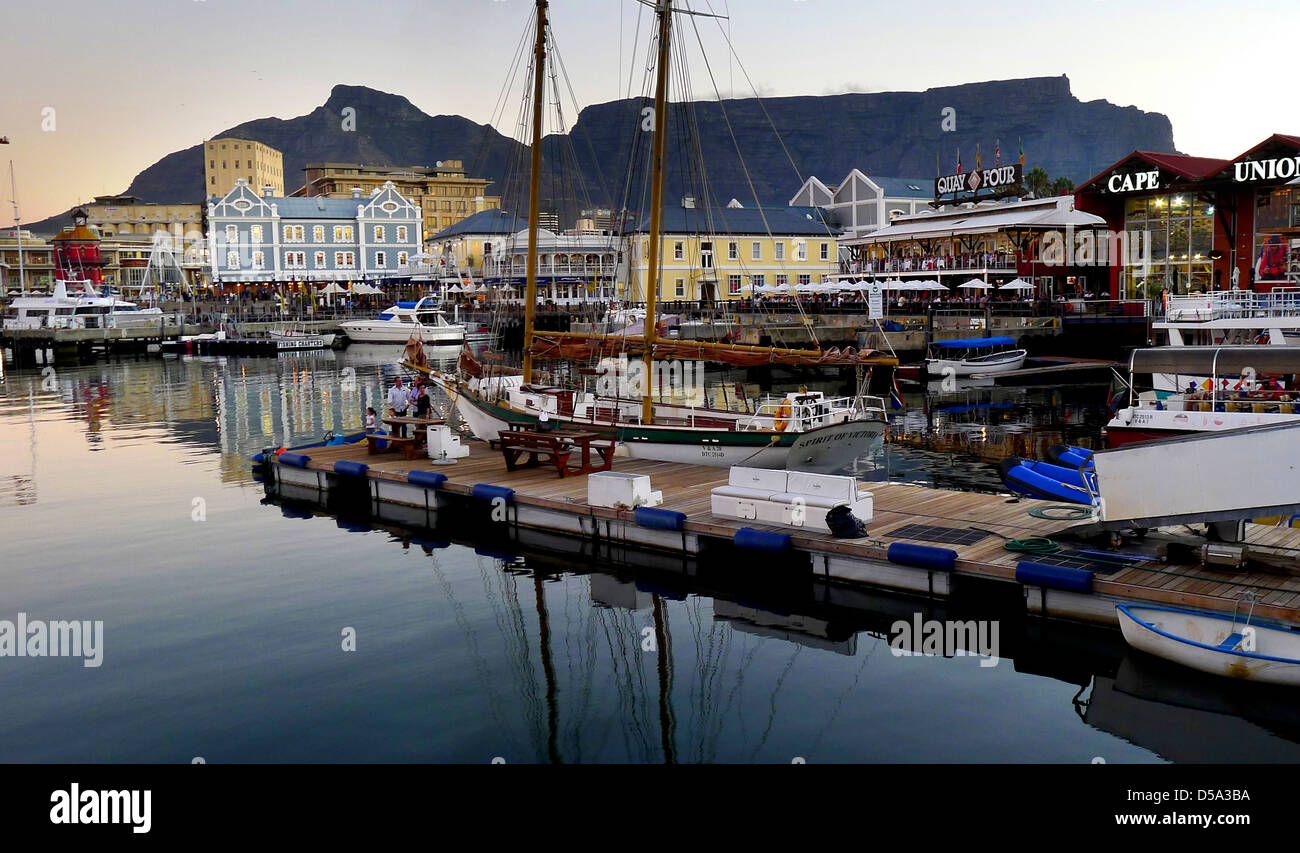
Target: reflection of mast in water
{"type": "Point", "coordinates": [664, 659]}
{"type": "Point", "coordinates": [548, 671]}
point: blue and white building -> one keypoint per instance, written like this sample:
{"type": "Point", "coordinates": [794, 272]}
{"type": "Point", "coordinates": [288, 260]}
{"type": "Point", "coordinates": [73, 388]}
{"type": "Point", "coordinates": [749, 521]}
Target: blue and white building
{"type": "Point", "coordinates": [266, 238]}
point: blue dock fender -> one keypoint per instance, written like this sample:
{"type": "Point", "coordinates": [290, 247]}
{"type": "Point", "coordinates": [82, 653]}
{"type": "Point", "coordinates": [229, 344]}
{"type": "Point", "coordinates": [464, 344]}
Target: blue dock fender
{"type": "Point", "coordinates": [431, 479]}
{"type": "Point", "coordinates": [753, 539]}
{"type": "Point", "coordinates": [1053, 577]}
{"type": "Point", "coordinates": [659, 519]}
{"type": "Point", "coordinates": [296, 460]}
{"type": "Point", "coordinates": [352, 469]}
{"type": "Point", "coordinates": [488, 492]}
{"type": "Point", "coordinates": [922, 556]}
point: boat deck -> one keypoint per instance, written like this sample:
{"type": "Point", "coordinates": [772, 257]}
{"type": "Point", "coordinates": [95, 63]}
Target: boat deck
{"type": "Point", "coordinates": [686, 489]}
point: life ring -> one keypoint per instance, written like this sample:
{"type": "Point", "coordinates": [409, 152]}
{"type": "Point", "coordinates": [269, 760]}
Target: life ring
{"type": "Point", "coordinates": [782, 420]}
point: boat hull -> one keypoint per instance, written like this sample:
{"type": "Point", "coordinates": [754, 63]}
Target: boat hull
{"type": "Point", "coordinates": [376, 333]}
{"type": "Point", "coordinates": [1194, 640]}
{"type": "Point", "coordinates": [962, 367]}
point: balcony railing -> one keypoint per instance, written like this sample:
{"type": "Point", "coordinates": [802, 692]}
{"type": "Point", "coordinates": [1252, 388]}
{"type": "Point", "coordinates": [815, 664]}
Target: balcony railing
{"type": "Point", "coordinates": [973, 262]}
{"type": "Point", "coordinates": [1234, 305]}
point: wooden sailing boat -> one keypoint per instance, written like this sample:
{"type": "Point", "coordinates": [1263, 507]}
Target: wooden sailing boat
{"type": "Point", "coordinates": [807, 430]}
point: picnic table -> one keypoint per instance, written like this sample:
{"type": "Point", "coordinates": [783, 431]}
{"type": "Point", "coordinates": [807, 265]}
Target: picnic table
{"type": "Point", "coordinates": [556, 447]}
{"type": "Point", "coordinates": [410, 445]}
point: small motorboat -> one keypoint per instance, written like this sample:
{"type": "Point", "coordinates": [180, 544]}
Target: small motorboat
{"type": "Point", "coordinates": [1048, 482]}
{"type": "Point", "coordinates": [974, 356]}
{"type": "Point", "coordinates": [1214, 643]}
{"type": "Point", "coordinates": [1069, 456]}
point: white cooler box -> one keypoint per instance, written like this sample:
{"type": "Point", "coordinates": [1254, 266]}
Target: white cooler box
{"type": "Point", "coordinates": [612, 489]}
{"type": "Point", "coordinates": [789, 498]}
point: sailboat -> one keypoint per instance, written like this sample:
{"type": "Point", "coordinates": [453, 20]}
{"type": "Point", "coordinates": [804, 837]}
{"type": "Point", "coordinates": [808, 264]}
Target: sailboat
{"type": "Point", "coordinates": [804, 429]}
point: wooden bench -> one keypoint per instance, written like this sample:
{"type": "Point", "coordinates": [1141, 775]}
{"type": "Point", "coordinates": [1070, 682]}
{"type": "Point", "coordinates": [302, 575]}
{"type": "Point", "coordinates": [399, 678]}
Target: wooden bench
{"type": "Point", "coordinates": [408, 445]}
{"type": "Point", "coordinates": [557, 448]}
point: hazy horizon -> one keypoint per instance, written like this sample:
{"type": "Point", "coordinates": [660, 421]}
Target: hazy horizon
{"type": "Point", "coordinates": [135, 81]}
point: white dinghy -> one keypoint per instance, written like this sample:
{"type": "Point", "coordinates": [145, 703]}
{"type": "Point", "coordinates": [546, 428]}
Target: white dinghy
{"type": "Point", "coordinates": [1220, 645]}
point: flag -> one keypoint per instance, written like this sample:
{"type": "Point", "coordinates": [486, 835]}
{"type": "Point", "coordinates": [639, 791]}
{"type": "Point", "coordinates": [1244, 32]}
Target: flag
{"type": "Point", "coordinates": [1022, 151]}
{"type": "Point", "coordinates": [979, 164]}
{"type": "Point", "coordinates": [1118, 391]}
{"type": "Point", "coordinates": [895, 396]}
{"type": "Point", "coordinates": [959, 161]}
{"type": "Point", "coordinates": [938, 169]}
{"type": "Point", "coordinates": [997, 153]}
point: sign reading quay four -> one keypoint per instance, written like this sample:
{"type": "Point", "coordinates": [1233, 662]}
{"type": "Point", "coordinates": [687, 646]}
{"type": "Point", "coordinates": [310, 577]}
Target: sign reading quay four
{"type": "Point", "coordinates": [994, 181]}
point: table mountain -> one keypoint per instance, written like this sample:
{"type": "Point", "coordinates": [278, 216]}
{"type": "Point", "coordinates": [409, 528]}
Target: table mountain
{"type": "Point", "coordinates": [888, 133]}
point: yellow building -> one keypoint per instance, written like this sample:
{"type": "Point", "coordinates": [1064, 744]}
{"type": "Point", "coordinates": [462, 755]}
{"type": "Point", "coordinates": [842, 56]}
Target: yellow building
{"type": "Point", "coordinates": [37, 262]}
{"type": "Point", "coordinates": [725, 253]}
{"type": "Point", "coordinates": [127, 215]}
{"type": "Point", "coordinates": [227, 158]}
{"type": "Point", "coordinates": [445, 194]}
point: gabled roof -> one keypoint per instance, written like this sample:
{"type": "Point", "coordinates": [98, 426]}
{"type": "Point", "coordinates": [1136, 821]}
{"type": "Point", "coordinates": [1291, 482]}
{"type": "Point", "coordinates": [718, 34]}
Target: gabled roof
{"type": "Point", "coordinates": [318, 207]}
{"type": "Point", "coordinates": [1186, 167]}
{"type": "Point", "coordinates": [1280, 140]}
{"type": "Point", "coordinates": [803, 221]}
{"type": "Point", "coordinates": [906, 187]}
{"type": "Point", "coordinates": [492, 221]}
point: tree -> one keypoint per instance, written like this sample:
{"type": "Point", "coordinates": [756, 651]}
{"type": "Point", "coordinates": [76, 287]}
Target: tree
{"type": "Point", "coordinates": [1038, 182]}
{"type": "Point", "coordinates": [1062, 186]}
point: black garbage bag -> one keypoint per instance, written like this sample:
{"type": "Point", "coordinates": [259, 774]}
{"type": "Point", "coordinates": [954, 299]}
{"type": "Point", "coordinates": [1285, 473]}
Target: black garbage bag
{"type": "Point", "coordinates": [844, 524]}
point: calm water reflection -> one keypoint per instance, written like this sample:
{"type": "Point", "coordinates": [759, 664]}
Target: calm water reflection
{"type": "Point", "coordinates": [125, 497]}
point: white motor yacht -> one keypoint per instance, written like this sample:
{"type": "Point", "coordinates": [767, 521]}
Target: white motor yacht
{"type": "Point", "coordinates": [401, 322]}
{"type": "Point", "coordinates": [87, 309]}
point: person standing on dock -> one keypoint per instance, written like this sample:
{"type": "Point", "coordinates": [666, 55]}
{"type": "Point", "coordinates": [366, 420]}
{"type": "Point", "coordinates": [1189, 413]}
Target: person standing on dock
{"type": "Point", "coordinates": [398, 400]}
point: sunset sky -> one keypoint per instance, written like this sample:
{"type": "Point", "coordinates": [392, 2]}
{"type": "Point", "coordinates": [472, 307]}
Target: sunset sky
{"type": "Point", "coordinates": [133, 80]}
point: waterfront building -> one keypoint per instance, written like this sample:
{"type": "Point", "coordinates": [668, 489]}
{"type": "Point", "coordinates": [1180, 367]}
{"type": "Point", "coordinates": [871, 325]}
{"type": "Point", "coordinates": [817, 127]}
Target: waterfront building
{"type": "Point", "coordinates": [721, 253]}
{"type": "Point", "coordinates": [465, 245]}
{"type": "Point", "coordinates": [444, 193]}
{"type": "Point", "coordinates": [37, 262]}
{"type": "Point", "coordinates": [227, 160]}
{"type": "Point", "coordinates": [859, 204]}
{"type": "Point", "coordinates": [570, 267]}
{"type": "Point", "coordinates": [1202, 223]}
{"type": "Point", "coordinates": [272, 239]}
{"type": "Point", "coordinates": [995, 240]}
{"type": "Point", "coordinates": [77, 255]}
{"type": "Point", "coordinates": [119, 215]}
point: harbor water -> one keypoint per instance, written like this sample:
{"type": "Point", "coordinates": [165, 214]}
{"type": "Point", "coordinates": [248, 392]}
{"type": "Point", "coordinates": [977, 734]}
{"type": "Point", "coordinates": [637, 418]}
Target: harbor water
{"type": "Point", "coordinates": [238, 629]}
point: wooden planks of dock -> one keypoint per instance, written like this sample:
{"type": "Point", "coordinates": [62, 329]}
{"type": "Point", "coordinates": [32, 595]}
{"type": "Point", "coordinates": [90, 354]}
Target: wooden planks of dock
{"type": "Point", "coordinates": [686, 489]}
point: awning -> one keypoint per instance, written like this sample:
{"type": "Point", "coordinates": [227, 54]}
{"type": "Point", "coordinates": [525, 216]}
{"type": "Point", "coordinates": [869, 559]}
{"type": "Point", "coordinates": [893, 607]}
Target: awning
{"type": "Point", "coordinates": [975, 343]}
{"type": "Point", "coordinates": [1262, 359]}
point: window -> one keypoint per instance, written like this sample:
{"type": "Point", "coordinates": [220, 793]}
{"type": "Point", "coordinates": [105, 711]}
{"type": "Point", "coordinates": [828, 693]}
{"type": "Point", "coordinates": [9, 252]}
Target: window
{"type": "Point", "coordinates": [320, 260]}
{"type": "Point", "coordinates": [259, 261]}
{"type": "Point", "coordinates": [236, 162]}
{"type": "Point", "coordinates": [401, 233]}
{"type": "Point", "coordinates": [401, 259]}
{"type": "Point", "coordinates": [779, 249]}
{"type": "Point", "coordinates": [379, 233]}
{"type": "Point", "coordinates": [756, 281]}
{"type": "Point", "coordinates": [381, 260]}
{"type": "Point", "coordinates": [318, 233]}
{"type": "Point", "coordinates": [801, 251]}
{"type": "Point", "coordinates": [782, 279]}
{"type": "Point", "coordinates": [212, 164]}
{"type": "Point", "coordinates": [805, 279]}
{"type": "Point", "coordinates": [756, 251]}
{"type": "Point", "coordinates": [344, 260]}
{"type": "Point", "coordinates": [733, 283]}
{"type": "Point", "coordinates": [826, 251]}
{"type": "Point", "coordinates": [347, 233]}
{"type": "Point", "coordinates": [295, 260]}
{"type": "Point", "coordinates": [706, 256]}
{"type": "Point", "coordinates": [213, 181]}
{"type": "Point", "coordinates": [255, 234]}
{"type": "Point", "coordinates": [232, 234]}
{"type": "Point", "coordinates": [338, 233]}
{"type": "Point", "coordinates": [232, 260]}
{"type": "Point", "coordinates": [679, 288]}
{"type": "Point", "coordinates": [679, 251]}
{"type": "Point", "coordinates": [733, 251]}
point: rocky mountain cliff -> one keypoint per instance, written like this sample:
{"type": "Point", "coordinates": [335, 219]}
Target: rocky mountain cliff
{"type": "Point", "coordinates": [894, 134]}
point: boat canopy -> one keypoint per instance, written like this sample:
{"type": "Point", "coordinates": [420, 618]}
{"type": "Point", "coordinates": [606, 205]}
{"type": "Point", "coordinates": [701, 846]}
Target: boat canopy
{"type": "Point", "coordinates": [1260, 358]}
{"type": "Point", "coordinates": [975, 343]}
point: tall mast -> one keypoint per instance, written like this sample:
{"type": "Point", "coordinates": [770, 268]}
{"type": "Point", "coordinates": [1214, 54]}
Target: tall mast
{"type": "Point", "coordinates": [665, 13]}
{"type": "Point", "coordinates": [534, 190]}
{"type": "Point", "coordinates": [18, 231]}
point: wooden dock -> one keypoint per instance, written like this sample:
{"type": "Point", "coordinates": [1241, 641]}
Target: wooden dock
{"type": "Point", "coordinates": [542, 501]}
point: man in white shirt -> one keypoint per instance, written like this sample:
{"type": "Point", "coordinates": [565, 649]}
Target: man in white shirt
{"type": "Point", "coordinates": [398, 400]}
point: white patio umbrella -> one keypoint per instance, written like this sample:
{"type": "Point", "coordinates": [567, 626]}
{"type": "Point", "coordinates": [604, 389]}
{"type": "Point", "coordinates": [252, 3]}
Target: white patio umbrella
{"type": "Point", "coordinates": [331, 289]}
{"type": "Point", "coordinates": [975, 284]}
{"type": "Point", "coordinates": [1017, 284]}
{"type": "Point", "coordinates": [934, 285]}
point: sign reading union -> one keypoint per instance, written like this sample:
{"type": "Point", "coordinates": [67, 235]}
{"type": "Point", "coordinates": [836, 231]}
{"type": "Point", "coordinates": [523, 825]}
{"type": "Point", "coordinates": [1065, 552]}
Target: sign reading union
{"type": "Point", "coordinates": [994, 181]}
{"type": "Point", "coordinates": [1279, 168]}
